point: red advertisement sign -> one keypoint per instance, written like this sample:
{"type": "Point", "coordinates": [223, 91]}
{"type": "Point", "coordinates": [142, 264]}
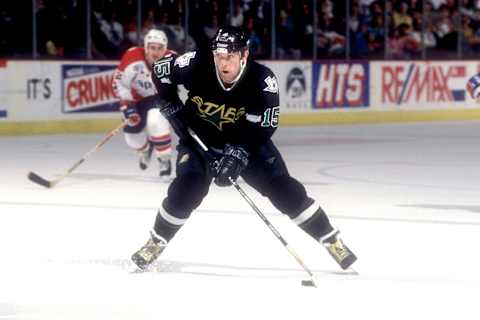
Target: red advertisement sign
{"type": "Point", "coordinates": [408, 83]}
{"type": "Point", "coordinates": [88, 88]}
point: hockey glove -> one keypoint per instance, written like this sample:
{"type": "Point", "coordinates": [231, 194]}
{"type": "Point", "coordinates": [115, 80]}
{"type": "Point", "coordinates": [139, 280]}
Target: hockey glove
{"type": "Point", "coordinates": [233, 161]}
{"type": "Point", "coordinates": [130, 113]}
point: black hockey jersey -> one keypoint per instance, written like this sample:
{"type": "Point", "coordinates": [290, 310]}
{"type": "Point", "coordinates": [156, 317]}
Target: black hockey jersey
{"type": "Point", "coordinates": [246, 115]}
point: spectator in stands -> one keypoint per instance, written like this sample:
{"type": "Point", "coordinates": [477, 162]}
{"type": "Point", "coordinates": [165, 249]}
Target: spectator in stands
{"type": "Point", "coordinates": [150, 21]}
{"type": "Point", "coordinates": [330, 42]}
{"type": "Point", "coordinates": [51, 23]}
{"type": "Point", "coordinates": [438, 3]}
{"type": "Point", "coordinates": [255, 44]}
{"type": "Point", "coordinates": [131, 36]}
{"type": "Point", "coordinates": [402, 16]}
{"type": "Point", "coordinates": [180, 41]}
{"type": "Point", "coordinates": [376, 34]}
{"type": "Point", "coordinates": [445, 29]}
{"type": "Point", "coordinates": [428, 39]}
{"type": "Point", "coordinates": [357, 18]}
{"type": "Point", "coordinates": [211, 28]}
{"type": "Point", "coordinates": [303, 23]}
{"type": "Point", "coordinates": [285, 36]}
{"type": "Point", "coordinates": [237, 18]}
{"type": "Point", "coordinates": [360, 42]}
{"type": "Point", "coordinates": [7, 25]}
{"type": "Point", "coordinates": [68, 31]}
{"type": "Point", "coordinates": [376, 8]}
{"type": "Point", "coordinates": [110, 34]}
{"type": "Point", "coordinates": [402, 44]}
{"type": "Point", "coordinates": [414, 5]}
{"type": "Point", "coordinates": [326, 8]}
{"type": "Point", "coordinates": [163, 20]}
{"type": "Point", "coordinates": [470, 36]}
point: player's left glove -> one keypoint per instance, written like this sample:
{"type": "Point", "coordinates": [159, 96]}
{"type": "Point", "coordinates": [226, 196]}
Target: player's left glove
{"type": "Point", "coordinates": [233, 161]}
{"type": "Point", "coordinates": [473, 87]}
{"type": "Point", "coordinates": [130, 113]}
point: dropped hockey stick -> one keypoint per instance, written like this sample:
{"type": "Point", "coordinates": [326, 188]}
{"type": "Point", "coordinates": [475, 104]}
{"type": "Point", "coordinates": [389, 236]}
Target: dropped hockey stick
{"type": "Point", "coordinates": [277, 234]}
{"type": "Point", "coordinates": [52, 183]}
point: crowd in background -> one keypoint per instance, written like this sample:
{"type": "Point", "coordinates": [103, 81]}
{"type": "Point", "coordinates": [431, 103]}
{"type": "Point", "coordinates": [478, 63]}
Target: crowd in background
{"type": "Point", "coordinates": [61, 27]}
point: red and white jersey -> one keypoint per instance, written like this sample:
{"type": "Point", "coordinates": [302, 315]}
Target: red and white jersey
{"type": "Point", "coordinates": [132, 79]}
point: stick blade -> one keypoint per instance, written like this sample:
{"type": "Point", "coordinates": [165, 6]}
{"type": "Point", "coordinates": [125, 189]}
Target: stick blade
{"type": "Point", "coordinates": [32, 176]}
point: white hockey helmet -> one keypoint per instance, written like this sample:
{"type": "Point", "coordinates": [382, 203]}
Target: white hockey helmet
{"type": "Point", "coordinates": [155, 36]}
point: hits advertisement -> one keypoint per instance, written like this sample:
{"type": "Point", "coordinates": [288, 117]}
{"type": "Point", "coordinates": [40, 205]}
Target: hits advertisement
{"type": "Point", "coordinates": [340, 85]}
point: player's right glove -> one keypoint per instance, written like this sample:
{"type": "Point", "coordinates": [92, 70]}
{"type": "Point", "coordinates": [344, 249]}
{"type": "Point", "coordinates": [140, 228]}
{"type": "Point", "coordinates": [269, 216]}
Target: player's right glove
{"type": "Point", "coordinates": [130, 113]}
{"type": "Point", "coordinates": [473, 87]}
{"type": "Point", "coordinates": [233, 161]}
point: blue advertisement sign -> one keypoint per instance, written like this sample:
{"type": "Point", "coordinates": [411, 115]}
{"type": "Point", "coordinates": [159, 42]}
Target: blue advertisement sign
{"type": "Point", "coordinates": [340, 85]}
{"type": "Point", "coordinates": [88, 88]}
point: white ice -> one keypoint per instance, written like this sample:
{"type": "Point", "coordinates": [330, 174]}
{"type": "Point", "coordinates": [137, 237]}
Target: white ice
{"type": "Point", "coordinates": [405, 197]}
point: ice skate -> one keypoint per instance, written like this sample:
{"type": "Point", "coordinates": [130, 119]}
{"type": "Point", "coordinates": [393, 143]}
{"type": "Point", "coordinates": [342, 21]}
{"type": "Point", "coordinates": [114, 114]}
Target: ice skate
{"type": "Point", "coordinates": [145, 157]}
{"type": "Point", "coordinates": [149, 252]}
{"type": "Point", "coordinates": [338, 250]}
{"type": "Point", "coordinates": [165, 167]}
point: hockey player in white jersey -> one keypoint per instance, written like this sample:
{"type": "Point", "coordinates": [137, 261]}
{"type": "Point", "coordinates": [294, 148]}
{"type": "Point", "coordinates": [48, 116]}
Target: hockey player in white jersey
{"type": "Point", "coordinates": [147, 131]}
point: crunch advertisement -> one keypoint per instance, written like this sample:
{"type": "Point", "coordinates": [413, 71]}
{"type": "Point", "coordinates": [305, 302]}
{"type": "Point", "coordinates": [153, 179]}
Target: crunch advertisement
{"type": "Point", "coordinates": [88, 88]}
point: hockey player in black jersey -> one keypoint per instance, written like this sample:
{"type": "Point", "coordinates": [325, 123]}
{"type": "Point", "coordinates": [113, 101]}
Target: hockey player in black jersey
{"type": "Point", "coordinates": [233, 106]}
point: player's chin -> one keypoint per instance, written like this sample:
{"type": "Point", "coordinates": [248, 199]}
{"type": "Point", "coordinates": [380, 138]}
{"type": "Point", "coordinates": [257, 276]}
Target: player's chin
{"type": "Point", "coordinates": [226, 77]}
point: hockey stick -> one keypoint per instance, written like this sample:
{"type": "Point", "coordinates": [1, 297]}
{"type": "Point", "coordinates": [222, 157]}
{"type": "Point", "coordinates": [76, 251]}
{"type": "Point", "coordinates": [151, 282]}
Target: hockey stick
{"type": "Point", "coordinates": [277, 234]}
{"type": "Point", "coordinates": [52, 183]}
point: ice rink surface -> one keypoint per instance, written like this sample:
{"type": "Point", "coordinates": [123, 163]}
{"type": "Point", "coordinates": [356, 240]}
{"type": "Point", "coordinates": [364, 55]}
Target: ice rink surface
{"type": "Point", "coordinates": [405, 197]}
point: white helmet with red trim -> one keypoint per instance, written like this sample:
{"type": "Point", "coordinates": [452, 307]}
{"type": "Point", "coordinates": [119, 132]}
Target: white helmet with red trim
{"type": "Point", "coordinates": [156, 36]}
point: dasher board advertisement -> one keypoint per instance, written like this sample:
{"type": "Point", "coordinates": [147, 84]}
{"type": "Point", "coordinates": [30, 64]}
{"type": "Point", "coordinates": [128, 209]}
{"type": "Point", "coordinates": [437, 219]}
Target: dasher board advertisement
{"type": "Point", "coordinates": [294, 83]}
{"type": "Point", "coordinates": [421, 85]}
{"type": "Point", "coordinates": [88, 88]}
{"type": "Point", "coordinates": [340, 84]}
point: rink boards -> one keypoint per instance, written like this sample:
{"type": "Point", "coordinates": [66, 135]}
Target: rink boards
{"type": "Point", "coordinates": [76, 96]}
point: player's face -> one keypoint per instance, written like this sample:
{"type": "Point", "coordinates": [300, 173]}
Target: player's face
{"type": "Point", "coordinates": [228, 64]}
{"type": "Point", "coordinates": [153, 52]}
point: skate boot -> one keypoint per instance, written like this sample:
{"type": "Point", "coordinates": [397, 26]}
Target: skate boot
{"type": "Point", "coordinates": [338, 250]}
{"type": "Point", "coordinates": [145, 157]}
{"type": "Point", "coordinates": [165, 167]}
{"type": "Point", "coordinates": [149, 252]}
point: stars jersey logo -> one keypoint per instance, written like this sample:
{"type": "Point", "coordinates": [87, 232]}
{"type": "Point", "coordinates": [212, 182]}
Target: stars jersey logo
{"type": "Point", "coordinates": [215, 114]}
